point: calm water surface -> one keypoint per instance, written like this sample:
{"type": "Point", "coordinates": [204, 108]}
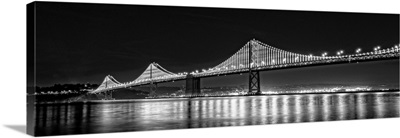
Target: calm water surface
{"type": "Point", "coordinates": [141, 115]}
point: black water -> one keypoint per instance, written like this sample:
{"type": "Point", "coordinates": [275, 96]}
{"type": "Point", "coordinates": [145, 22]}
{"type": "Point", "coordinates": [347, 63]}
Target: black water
{"type": "Point", "coordinates": [80, 118]}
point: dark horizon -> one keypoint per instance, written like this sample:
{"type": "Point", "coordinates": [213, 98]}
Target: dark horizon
{"type": "Point", "coordinates": [80, 43]}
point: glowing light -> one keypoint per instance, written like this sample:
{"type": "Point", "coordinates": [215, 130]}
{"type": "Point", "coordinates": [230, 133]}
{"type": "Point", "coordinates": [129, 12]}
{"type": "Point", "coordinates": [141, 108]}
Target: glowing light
{"type": "Point", "coordinates": [339, 52]}
{"type": "Point", "coordinates": [358, 50]}
{"type": "Point", "coordinates": [377, 48]}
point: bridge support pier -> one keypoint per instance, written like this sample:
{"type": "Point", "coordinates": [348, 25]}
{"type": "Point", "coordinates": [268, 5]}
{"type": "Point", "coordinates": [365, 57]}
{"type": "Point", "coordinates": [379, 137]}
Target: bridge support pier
{"type": "Point", "coordinates": [254, 82]}
{"type": "Point", "coordinates": [192, 86]}
{"type": "Point", "coordinates": [153, 89]}
{"type": "Point", "coordinates": [107, 95]}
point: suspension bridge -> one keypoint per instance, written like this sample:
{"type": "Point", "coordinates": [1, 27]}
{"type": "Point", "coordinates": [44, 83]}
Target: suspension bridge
{"type": "Point", "coordinates": [253, 57]}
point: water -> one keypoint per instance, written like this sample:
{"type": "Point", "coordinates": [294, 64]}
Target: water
{"type": "Point", "coordinates": [212, 112]}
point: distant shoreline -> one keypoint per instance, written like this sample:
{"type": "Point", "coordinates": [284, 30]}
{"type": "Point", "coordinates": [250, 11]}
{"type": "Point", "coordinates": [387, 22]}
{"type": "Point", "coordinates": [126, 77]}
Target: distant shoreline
{"type": "Point", "coordinates": [199, 97]}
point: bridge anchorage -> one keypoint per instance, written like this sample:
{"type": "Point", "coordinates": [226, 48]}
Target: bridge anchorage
{"type": "Point", "coordinates": [252, 58]}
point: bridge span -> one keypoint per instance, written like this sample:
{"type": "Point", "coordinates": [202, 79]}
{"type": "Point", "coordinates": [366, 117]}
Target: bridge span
{"type": "Point", "coordinates": [252, 58]}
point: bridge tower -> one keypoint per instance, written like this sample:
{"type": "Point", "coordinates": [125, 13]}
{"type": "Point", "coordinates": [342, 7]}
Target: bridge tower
{"type": "Point", "coordinates": [153, 86]}
{"type": "Point", "coordinates": [192, 85]}
{"type": "Point", "coordinates": [254, 75]}
{"type": "Point", "coordinates": [107, 94]}
{"type": "Point", "coordinates": [108, 82]}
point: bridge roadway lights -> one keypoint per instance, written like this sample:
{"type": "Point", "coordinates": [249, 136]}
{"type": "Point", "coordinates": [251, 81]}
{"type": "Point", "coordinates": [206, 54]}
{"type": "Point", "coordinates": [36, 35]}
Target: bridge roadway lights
{"type": "Point", "coordinates": [192, 85]}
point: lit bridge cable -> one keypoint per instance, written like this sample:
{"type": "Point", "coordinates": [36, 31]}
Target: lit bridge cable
{"type": "Point", "coordinates": [253, 56]}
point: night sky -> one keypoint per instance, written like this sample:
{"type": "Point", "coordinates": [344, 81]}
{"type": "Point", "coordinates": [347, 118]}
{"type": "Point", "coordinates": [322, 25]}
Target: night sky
{"type": "Point", "coordinates": [79, 43]}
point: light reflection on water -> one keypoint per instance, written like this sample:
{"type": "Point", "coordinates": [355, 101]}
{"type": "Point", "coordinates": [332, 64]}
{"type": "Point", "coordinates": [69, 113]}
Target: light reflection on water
{"type": "Point", "coordinates": [82, 118]}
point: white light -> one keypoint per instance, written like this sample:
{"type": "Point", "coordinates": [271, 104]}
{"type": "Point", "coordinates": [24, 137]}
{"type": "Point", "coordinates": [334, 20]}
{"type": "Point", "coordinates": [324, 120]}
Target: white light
{"type": "Point", "coordinates": [340, 52]}
{"type": "Point", "coordinates": [377, 48]}
{"type": "Point", "coordinates": [358, 50]}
